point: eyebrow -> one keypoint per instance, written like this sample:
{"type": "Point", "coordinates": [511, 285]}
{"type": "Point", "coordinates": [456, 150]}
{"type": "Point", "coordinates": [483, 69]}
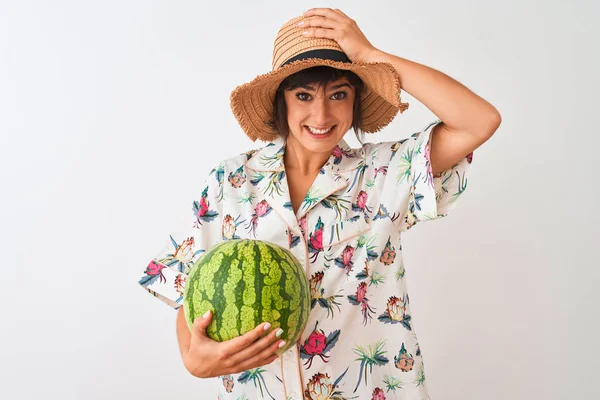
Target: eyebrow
{"type": "Point", "coordinates": [309, 87]}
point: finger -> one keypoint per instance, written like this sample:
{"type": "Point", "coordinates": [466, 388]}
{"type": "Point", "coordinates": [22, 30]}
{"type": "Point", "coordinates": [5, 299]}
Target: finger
{"type": "Point", "coordinates": [259, 345]}
{"type": "Point", "coordinates": [268, 351]}
{"type": "Point", "coordinates": [319, 32]}
{"type": "Point", "coordinates": [327, 12]}
{"type": "Point", "coordinates": [239, 343]}
{"type": "Point", "coordinates": [320, 21]}
{"type": "Point", "coordinates": [200, 325]}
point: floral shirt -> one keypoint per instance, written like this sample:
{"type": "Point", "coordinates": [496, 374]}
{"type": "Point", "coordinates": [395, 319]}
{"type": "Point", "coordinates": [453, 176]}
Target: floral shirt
{"type": "Point", "coordinates": [360, 340]}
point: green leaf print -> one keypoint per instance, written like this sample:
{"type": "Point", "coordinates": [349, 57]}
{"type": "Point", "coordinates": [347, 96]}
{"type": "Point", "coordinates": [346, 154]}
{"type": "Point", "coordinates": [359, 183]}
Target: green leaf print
{"type": "Point", "coordinates": [369, 357]}
{"type": "Point", "coordinates": [337, 203]}
{"type": "Point", "coordinates": [247, 198]}
{"type": "Point", "coordinates": [392, 383]}
{"type": "Point", "coordinates": [312, 197]}
{"type": "Point", "coordinates": [404, 167]}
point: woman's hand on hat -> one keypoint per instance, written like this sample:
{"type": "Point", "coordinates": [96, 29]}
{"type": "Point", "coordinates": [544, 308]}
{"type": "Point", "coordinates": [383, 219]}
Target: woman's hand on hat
{"type": "Point", "coordinates": [334, 24]}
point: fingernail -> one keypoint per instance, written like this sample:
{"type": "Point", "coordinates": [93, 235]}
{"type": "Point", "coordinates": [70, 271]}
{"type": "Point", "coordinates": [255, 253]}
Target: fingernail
{"type": "Point", "coordinates": [206, 314]}
{"type": "Point", "coordinates": [279, 332]}
{"type": "Point", "coordinates": [267, 326]}
{"type": "Point", "coordinates": [300, 23]}
{"type": "Point", "coordinates": [281, 344]}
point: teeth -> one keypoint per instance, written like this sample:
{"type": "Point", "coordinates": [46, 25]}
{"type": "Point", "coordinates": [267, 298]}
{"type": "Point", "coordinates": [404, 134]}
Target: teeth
{"type": "Point", "coordinates": [317, 131]}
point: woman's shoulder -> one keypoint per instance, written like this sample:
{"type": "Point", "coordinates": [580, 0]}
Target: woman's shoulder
{"type": "Point", "coordinates": [238, 160]}
{"type": "Point", "coordinates": [378, 152]}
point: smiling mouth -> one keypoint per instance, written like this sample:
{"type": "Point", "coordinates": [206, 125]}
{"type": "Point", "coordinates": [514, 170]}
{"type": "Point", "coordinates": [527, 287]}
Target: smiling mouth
{"type": "Point", "coordinates": [319, 131]}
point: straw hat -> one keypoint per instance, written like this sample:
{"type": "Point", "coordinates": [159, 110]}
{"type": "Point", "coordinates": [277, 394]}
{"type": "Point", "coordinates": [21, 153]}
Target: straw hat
{"type": "Point", "coordinates": [253, 103]}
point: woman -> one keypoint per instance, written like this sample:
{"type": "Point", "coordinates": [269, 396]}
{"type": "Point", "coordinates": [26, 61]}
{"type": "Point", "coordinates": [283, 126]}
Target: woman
{"type": "Point", "coordinates": [340, 211]}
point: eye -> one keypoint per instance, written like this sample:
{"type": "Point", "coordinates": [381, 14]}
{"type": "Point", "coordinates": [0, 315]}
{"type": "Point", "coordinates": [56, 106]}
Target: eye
{"type": "Point", "coordinates": [342, 93]}
{"type": "Point", "coordinates": [300, 95]}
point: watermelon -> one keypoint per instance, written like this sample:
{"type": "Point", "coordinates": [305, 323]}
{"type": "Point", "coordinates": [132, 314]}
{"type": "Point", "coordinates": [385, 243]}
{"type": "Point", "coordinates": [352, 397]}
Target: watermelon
{"type": "Point", "coordinates": [246, 282]}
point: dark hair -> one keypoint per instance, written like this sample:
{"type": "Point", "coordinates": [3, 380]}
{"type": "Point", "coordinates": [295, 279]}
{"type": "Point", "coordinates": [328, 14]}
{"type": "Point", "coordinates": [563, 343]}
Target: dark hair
{"type": "Point", "coordinates": [321, 76]}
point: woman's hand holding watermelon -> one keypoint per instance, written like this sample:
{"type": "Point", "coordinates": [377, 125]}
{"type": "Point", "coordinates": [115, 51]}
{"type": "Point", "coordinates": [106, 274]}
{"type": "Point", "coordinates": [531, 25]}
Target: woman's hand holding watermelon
{"type": "Point", "coordinates": [205, 358]}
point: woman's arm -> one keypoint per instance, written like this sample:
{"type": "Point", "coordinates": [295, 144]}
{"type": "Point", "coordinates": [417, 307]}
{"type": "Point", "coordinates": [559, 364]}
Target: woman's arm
{"type": "Point", "coordinates": [468, 121]}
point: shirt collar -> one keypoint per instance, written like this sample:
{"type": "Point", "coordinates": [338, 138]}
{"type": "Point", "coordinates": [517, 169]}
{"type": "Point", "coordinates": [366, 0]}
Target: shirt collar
{"type": "Point", "coordinates": [270, 157]}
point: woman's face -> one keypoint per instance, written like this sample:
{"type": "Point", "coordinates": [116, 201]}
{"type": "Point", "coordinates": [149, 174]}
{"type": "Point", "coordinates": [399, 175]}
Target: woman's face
{"type": "Point", "coordinates": [327, 109]}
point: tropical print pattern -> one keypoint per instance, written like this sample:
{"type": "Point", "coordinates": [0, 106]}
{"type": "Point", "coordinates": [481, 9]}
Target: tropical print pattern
{"type": "Point", "coordinates": [360, 340]}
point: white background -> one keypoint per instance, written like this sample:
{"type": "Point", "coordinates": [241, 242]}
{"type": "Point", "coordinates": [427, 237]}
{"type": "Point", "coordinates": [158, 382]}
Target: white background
{"type": "Point", "coordinates": [111, 113]}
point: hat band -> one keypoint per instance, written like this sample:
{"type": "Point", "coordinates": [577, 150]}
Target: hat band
{"type": "Point", "coordinates": [325, 54]}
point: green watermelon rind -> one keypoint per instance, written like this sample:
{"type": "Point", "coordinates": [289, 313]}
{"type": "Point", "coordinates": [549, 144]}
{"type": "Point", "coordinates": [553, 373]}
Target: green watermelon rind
{"type": "Point", "coordinates": [280, 290]}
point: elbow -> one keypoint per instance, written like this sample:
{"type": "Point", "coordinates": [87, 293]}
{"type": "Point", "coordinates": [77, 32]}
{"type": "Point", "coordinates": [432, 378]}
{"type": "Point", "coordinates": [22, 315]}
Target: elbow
{"type": "Point", "coordinates": [491, 124]}
{"type": "Point", "coordinates": [496, 119]}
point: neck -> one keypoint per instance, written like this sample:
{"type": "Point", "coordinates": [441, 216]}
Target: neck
{"type": "Point", "coordinates": [301, 159]}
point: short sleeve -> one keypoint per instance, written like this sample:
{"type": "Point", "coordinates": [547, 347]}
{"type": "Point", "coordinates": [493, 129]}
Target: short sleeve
{"type": "Point", "coordinates": [410, 193]}
{"type": "Point", "coordinates": [166, 273]}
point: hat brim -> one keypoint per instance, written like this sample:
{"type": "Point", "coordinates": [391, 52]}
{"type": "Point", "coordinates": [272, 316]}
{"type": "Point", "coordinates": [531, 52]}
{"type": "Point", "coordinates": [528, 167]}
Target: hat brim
{"type": "Point", "coordinates": [253, 103]}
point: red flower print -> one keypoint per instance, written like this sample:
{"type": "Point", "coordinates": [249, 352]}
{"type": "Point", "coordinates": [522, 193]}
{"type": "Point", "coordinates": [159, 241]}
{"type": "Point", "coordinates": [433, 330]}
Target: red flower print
{"type": "Point", "coordinates": [154, 269]}
{"type": "Point", "coordinates": [361, 202]}
{"type": "Point", "coordinates": [203, 208]}
{"type": "Point", "coordinates": [317, 344]}
{"type": "Point", "coordinates": [378, 394]}
{"type": "Point", "coordinates": [360, 298]}
{"type": "Point", "coordinates": [263, 208]}
{"type": "Point", "coordinates": [381, 170]}
{"type": "Point", "coordinates": [337, 152]}
{"type": "Point", "coordinates": [362, 199]}
{"type": "Point", "coordinates": [361, 292]}
{"type": "Point", "coordinates": [347, 254]}
{"type": "Point", "coordinates": [315, 241]}
{"type": "Point", "coordinates": [346, 260]}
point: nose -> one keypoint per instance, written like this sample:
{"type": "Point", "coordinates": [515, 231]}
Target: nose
{"type": "Point", "coordinates": [321, 111]}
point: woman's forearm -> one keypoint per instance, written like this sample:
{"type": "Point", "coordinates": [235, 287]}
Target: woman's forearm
{"type": "Point", "coordinates": [184, 336]}
{"type": "Point", "coordinates": [458, 107]}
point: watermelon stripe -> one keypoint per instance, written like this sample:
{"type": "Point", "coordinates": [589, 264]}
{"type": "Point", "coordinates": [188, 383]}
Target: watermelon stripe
{"type": "Point", "coordinates": [287, 291]}
{"type": "Point", "coordinates": [248, 314]}
{"type": "Point", "coordinates": [257, 284]}
{"type": "Point", "coordinates": [283, 294]}
{"type": "Point", "coordinates": [218, 298]}
{"type": "Point", "coordinates": [239, 293]}
{"type": "Point", "coordinates": [286, 300]}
